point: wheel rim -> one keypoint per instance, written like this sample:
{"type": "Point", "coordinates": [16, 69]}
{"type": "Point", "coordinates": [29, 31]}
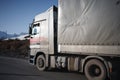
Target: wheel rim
{"type": "Point", "coordinates": [40, 62]}
{"type": "Point", "coordinates": [94, 70]}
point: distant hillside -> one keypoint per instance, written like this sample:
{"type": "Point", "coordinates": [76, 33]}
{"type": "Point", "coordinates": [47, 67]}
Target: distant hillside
{"type": "Point", "coordinates": [20, 37]}
{"type": "Point", "coordinates": [4, 35]}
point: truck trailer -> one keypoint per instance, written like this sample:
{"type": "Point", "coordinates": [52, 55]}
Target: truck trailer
{"type": "Point", "coordinates": [79, 35]}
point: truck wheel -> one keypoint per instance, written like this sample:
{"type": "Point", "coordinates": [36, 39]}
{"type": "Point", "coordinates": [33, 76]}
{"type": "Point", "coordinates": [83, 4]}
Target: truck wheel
{"type": "Point", "coordinates": [95, 70]}
{"type": "Point", "coordinates": [40, 63]}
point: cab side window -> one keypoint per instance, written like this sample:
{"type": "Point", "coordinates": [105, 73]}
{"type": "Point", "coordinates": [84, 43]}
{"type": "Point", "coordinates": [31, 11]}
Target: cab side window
{"type": "Point", "coordinates": [34, 31]}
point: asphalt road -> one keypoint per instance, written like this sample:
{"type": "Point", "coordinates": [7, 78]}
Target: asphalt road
{"type": "Point", "coordinates": [20, 69]}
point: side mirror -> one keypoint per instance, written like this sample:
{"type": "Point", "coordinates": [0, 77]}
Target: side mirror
{"type": "Point", "coordinates": [30, 30]}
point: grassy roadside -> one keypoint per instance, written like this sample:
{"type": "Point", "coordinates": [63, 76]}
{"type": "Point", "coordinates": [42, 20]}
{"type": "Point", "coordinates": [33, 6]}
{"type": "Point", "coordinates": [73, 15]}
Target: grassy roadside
{"type": "Point", "coordinates": [14, 48]}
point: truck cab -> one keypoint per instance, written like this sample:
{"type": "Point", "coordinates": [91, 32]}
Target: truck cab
{"type": "Point", "coordinates": [43, 34]}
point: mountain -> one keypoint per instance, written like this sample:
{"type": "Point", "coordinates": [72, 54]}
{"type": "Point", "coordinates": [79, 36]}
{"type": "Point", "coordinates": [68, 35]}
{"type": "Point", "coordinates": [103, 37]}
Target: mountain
{"type": "Point", "coordinates": [4, 35]}
{"type": "Point", "coordinates": [20, 37]}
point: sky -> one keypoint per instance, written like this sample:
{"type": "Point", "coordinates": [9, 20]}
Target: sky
{"type": "Point", "coordinates": [16, 15]}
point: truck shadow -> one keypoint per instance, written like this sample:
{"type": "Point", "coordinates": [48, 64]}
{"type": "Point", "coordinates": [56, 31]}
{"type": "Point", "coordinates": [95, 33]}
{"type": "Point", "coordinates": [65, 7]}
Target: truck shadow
{"type": "Point", "coordinates": [63, 71]}
{"type": "Point", "coordinates": [115, 76]}
{"type": "Point", "coordinates": [17, 74]}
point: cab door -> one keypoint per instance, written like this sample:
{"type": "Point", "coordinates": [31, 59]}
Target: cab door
{"type": "Point", "coordinates": [35, 34]}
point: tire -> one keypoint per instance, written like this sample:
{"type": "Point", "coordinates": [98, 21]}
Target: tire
{"type": "Point", "coordinates": [40, 63]}
{"type": "Point", "coordinates": [95, 70]}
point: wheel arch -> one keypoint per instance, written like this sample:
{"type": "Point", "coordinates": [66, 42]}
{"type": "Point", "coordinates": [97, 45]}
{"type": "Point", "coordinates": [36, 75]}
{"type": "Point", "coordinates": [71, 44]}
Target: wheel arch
{"type": "Point", "coordinates": [106, 64]}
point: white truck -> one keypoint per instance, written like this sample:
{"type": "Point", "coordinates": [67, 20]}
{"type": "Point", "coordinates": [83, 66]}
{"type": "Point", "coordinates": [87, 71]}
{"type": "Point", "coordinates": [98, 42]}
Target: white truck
{"type": "Point", "coordinates": [79, 35]}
